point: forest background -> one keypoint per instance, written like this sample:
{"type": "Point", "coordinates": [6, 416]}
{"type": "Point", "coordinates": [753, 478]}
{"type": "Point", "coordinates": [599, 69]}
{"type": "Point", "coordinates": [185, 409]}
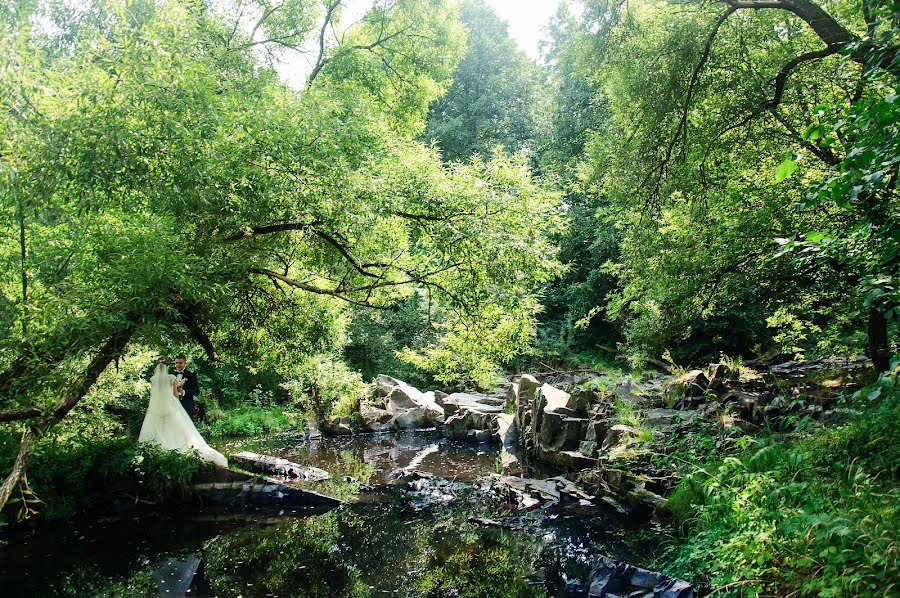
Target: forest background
{"type": "Point", "coordinates": [673, 182]}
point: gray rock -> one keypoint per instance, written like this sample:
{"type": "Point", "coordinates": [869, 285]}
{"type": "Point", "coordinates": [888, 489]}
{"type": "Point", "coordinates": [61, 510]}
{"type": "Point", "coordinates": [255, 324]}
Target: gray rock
{"type": "Point", "coordinates": [616, 435]}
{"type": "Point", "coordinates": [374, 418]}
{"type": "Point", "coordinates": [410, 419]}
{"type": "Point", "coordinates": [718, 374]}
{"type": "Point", "coordinates": [337, 426]}
{"type": "Point", "coordinates": [459, 425]}
{"type": "Point", "coordinates": [662, 417]}
{"type": "Point", "coordinates": [467, 401]}
{"type": "Point", "coordinates": [691, 384]}
{"type": "Point", "coordinates": [278, 466]}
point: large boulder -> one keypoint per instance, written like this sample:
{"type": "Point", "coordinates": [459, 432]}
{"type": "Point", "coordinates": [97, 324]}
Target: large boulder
{"type": "Point", "coordinates": [408, 407]}
{"type": "Point", "coordinates": [718, 374]}
{"type": "Point", "coordinates": [508, 436]}
{"type": "Point", "coordinates": [528, 386]}
{"type": "Point", "coordinates": [558, 424]}
{"type": "Point", "coordinates": [337, 426]}
{"type": "Point", "coordinates": [614, 578]}
{"type": "Point", "coordinates": [559, 432]}
{"type": "Point", "coordinates": [595, 433]}
{"type": "Point", "coordinates": [410, 419]}
{"type": "Point", "coordinates": [374, 419]}
{"type": "Point", "coordinates": [472, 425]}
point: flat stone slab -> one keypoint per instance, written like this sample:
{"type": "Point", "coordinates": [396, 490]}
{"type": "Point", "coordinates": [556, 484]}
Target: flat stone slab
{"type": "Point", "coordinates": [459, 401]}
{"type": "Point", "coordinates": [278, 466]}
{"type": "Point", "coordinates": [531, 492]}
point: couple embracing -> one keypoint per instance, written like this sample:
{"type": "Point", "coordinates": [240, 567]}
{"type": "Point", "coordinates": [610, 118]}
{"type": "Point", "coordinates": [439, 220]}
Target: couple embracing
{"type": "Point", "coordinates": [169, 419]}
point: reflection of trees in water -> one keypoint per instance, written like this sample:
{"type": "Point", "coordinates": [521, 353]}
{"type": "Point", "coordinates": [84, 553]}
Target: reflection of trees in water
{"type": "Point", "coordinates": [295, 559]}
{"type": "Point", "coordinates": [474, 562]}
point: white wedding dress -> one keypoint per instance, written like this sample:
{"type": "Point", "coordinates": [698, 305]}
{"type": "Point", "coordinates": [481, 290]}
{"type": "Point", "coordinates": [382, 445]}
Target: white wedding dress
{"type": "Point", "coordinates": [168, 424]}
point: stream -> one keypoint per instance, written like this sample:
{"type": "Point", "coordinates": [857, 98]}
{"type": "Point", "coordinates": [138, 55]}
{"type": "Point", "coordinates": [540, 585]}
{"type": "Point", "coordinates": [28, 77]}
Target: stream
{"type": "Point", "coordinates": [386, 541]}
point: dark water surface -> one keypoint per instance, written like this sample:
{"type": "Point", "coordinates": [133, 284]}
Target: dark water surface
{"type": "Point", "coordinates": [382, 543]}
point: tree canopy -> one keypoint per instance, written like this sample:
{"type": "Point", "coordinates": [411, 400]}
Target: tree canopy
{"type": "Point", "coordinates": [159, 180]}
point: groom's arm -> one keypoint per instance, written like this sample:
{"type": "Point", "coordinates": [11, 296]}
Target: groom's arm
{"type": "Point", "coordinates": [191, 387]}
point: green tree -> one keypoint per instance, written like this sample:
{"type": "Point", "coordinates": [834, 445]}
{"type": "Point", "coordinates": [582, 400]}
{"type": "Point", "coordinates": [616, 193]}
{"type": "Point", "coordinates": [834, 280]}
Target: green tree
{"type": "Point", "coordinates": [496, 96]}
{"type": "Point", "coordinates": [160, 183]}
{"type": "Point", "coordinates": [705, 106]}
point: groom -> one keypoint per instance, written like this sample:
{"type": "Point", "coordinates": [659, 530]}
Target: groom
{"type": "Point", "coordinates": [190, 389]}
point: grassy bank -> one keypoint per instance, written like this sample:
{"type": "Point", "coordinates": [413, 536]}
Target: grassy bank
{"type": "Point", "coordinates": [817, 514]}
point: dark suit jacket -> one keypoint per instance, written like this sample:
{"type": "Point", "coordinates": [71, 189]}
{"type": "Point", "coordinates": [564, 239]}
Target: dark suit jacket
{"type": "Point", "coordinates": [191, 387]}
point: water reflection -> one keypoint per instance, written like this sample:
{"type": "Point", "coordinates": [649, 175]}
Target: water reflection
{"type": "Point", "coordinates": [382, 452]}
{"type": "Point", "coordinates": [376, 546]}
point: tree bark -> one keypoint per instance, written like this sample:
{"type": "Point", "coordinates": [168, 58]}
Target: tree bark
{"type": "Point", "coordinates": [829, 30]}
{"type": "Point", "coordinates": [110, 349]}
{"type": "Point", "coordinates": [21, 413]}
{"type": "Point", "coordinates": [879, 352]}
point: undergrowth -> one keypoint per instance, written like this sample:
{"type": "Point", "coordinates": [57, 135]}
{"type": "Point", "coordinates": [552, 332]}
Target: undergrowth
{"type": "Point", "coordinates": [250, 421]}
{"type": "Point", "coordinates": [816, 516]}
{"type": "Point", "coordinates": [66, 480]}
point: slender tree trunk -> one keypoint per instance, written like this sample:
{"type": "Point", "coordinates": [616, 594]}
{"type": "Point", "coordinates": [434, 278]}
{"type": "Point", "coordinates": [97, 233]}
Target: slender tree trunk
{"type": "Point", "coordinates": [110, 349]}
{"type": "Point", "coordinates": [23, 251]}
{"type": "Point", "coordinates": [878, 340]}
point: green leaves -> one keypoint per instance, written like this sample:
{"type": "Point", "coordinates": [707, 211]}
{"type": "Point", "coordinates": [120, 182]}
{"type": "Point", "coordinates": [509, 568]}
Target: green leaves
{"type": "Point", "coordinates": [786, 169]}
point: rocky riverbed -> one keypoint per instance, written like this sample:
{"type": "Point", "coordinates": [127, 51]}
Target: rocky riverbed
{"type": "Point", "coordinates": [419, 511]}
{"type": "Point", "coordinates": [546, 486]}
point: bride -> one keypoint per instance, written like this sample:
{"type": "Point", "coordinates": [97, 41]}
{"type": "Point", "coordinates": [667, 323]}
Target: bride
{"type": "Point", "coordinates": [168, 424]}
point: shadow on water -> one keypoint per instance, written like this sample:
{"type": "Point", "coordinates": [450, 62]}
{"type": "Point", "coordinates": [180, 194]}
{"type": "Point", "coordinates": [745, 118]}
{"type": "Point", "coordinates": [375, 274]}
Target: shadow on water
{"type": "Point", "coordinates": [378, 545]}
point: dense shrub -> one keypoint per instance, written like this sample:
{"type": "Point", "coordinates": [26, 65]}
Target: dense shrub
{"type": "Point", "coordinates": [249, 421]}
{"type": "Point", "coordinates": [69, 479]}
{"type": "Point", "coordinates": [376, 336]}
{"type": "Point", "coordinates": [326, 386]}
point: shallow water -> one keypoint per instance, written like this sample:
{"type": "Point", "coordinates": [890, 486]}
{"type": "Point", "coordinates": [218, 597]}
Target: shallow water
{"type": "Point", "coordinates": [380, 544]}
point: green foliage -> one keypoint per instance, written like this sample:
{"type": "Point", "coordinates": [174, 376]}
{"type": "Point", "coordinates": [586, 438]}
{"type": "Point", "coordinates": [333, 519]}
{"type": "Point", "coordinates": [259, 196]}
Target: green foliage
{"type": "Point", "coordinates": [292, 558]}
{"type": "Point", "coordinates": [478, 570]}
{"type": "Point", "coordinates": [377, 336]}
{"type": "Point", "coordinates": [249, 421]}
{"type": "Point", "coordinates": [495, 98]}
{"type": "Point", "coordinates": [160, 174]}
{"type": "Point", "coordinates": [70, 479]}
{"type": "Point", "coordinates": [627, 414]}
{"type": "Point", "coordinates": [815, 517]}
{"type": "Point", "coordinates": [91, 583]}
{"type": "Point", "coordinates": [674, 164]}
{"type": "Point", "coordinates": [326, 386]}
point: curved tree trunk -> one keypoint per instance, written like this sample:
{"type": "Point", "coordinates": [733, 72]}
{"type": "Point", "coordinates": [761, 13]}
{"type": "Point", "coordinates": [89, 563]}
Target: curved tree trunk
{"type": "Point", "coordinates": [109, 351]}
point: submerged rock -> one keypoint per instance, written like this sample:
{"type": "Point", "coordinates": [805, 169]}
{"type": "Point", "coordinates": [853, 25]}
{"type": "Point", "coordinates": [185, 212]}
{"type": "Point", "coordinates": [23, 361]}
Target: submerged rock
{"type": "Point", "coordinates": [611, 578]}
{"type": "Point", "coordinates": [530, 493]}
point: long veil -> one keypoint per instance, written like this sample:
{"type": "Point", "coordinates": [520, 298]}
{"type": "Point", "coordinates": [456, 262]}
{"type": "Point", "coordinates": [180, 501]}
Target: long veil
{"type": "Point", "coordinates": [168, 424]}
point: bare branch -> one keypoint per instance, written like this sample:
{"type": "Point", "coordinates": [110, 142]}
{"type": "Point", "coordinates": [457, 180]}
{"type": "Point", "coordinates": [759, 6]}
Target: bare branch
{"type": "Point", "coordinates": [787, 69]}
{"type": "Point", "coordinates": [321, 60]}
